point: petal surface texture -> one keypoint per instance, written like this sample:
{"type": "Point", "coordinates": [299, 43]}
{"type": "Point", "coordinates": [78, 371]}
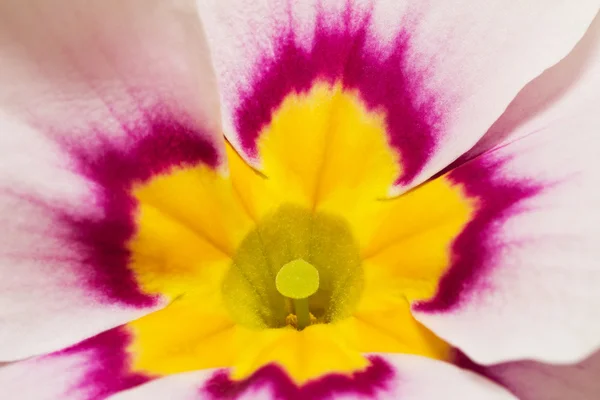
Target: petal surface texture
{"type": "Point", "coordinates": [428, 65]}
{"type": "Point", "coordinates": [535, 295]}
{"type": "Point", "coordinates": [81, 85]}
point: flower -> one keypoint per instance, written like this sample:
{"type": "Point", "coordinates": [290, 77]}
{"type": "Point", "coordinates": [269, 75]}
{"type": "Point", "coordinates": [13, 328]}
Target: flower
{"type": "Point", "coordinates": [404, 205]}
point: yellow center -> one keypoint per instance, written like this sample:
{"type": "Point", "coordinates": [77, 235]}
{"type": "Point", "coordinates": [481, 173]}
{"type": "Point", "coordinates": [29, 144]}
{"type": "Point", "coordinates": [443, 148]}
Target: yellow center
{"type": "Point", "coordinates": [226, 248]}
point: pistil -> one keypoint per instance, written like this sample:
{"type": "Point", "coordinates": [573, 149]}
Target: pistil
{"type": "Point", "coordinates": [298, 280]}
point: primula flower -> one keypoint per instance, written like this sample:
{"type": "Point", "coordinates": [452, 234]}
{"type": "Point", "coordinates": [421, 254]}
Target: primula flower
{"type": "Point", "coordinates": [299, 200]}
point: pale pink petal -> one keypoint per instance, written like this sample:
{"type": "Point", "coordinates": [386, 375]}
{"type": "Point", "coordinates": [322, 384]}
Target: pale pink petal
{"type": "Point", "coordinates": [420, 378]}
{"type": "Point", "coordinates": [562, 89]}
{"type": "Point", "coordinates": [108, 65]}
{"type": "Point", "coordinates": [525, 275]}
{"type": "Point", "coordinates": [408, 378]}
{"type": "Point", "coordinates": [441, 71]}
{"type": "Point", "coordinates": [93, 96]}
{"type": "Point", "coordinates": [530, 380]}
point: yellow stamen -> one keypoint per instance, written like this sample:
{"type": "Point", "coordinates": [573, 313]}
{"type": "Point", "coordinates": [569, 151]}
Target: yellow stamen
{"type": "Point", "coordinates": [298, 280]}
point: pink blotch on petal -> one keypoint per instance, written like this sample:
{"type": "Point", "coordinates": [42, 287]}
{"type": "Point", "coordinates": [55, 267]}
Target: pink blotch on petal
{"type": "Point", "coordinates": [108, 369]}
{"type": "Point", "coordinates": [354, 59]}
{"type": "Point", "coordinates": [375, 378]}
{"type": "Point", "coordinates": [115, 169]}
{"type": "Point", "coordinates": [473, 251]}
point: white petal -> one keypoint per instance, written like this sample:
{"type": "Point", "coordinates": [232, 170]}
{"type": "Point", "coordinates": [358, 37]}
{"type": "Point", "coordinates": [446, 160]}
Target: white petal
{"type": "Point", "coordinates": [84, 85]}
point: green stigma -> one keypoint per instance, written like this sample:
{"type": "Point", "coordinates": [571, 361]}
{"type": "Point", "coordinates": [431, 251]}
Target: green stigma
{"type": "Point", "coordinates": [298, 280]}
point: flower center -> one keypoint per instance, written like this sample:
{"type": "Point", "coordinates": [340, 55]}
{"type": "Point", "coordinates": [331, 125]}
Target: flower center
{"type": "Point", "coordinates": [295, 268]}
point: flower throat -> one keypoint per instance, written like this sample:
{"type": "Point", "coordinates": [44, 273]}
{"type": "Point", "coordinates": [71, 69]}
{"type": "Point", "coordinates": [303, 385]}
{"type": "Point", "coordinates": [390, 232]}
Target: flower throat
{"type": "Point", "coordinates": [296, 268]}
